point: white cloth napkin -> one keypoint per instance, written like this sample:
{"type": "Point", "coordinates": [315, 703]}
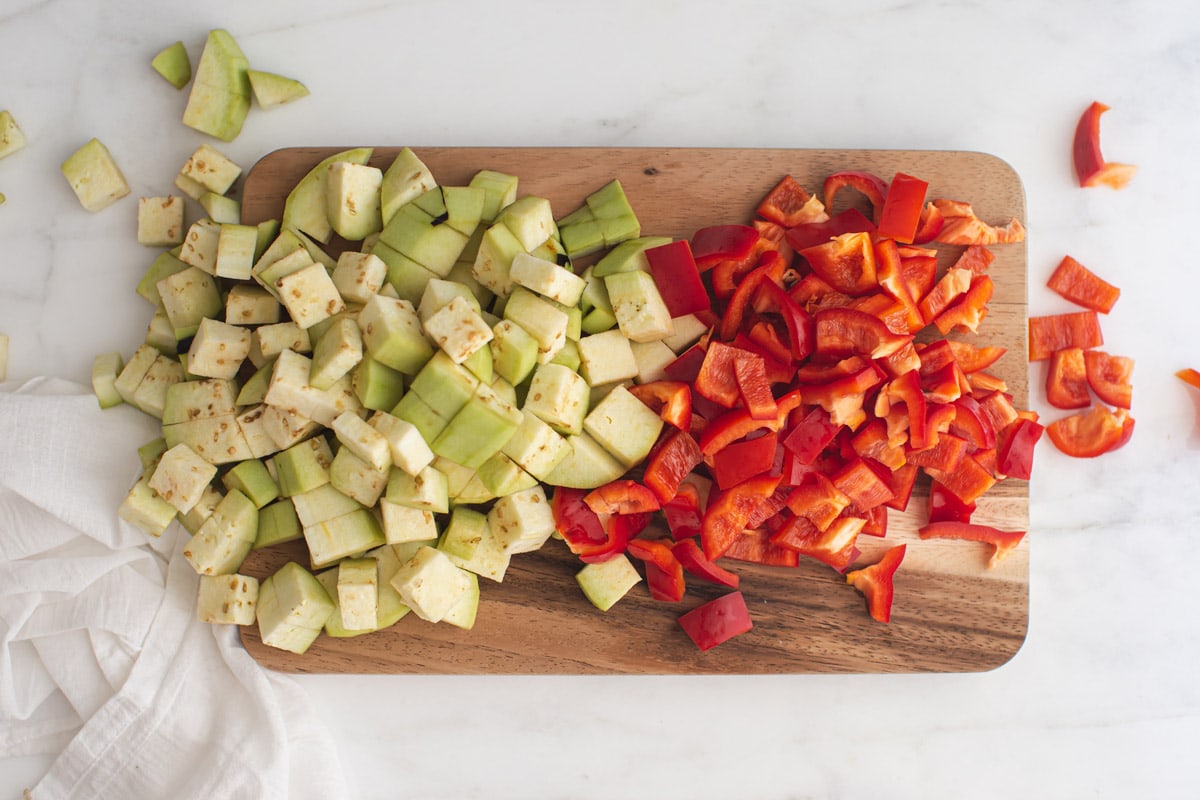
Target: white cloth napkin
{"type": "Point", "coordinates": [102, 660]}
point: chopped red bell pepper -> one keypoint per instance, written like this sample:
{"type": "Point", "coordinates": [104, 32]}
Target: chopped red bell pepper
{"type": "Point", "coordinates": [728, 428]}
{"type": "Point", "coordinates": [835, 546]}
{"type": "Point", "coordinates": [930, 225]}
{"type": "Point", "coordinates": [1093, 433]}
{"type": "Point", "coordinates": [750, 373]}
{"type": "Point", "coordinates": [811, 435]}
{"type": "Point", "coordinates": [1109, 377]}
{"type": "Point", "coordinates": [773, 236]}
{"type": "Point", "coordinates": [788, 204]}
{"type": "Point", "coordinates": [876, 583]}
{"type": "Point", "coordinates": [683, 512]}
{"type": "Point", "coordinates": [966, 312]}
{"type": "Point", "coordinates": [862, 484]}
{"type": "Point", "coordinates": [722, 243]}
{"type": "Point", "coordinates": [953, 284]}
{"type": "Point", "coordinates": [945, 506]}
{"type": "Point", "coordinates": [903, 360]}
{"type": "Point", "coordinates": [818, 500]}
{"type": "Point", "coordinates": [946, 455]}
{"type": "Point", "coordinates": [871, 186]}
{"type": "Point", "coordinates": [1066, 379]}
{"type": "Point", "coordinates": [716, 379]}
{"type": "Point", "coordinates": [877, 522]}
{"type": "Point", "coordinates": [671, 400]}
{"type": "Point", "coordinates": [998, 408]}
{"type": "Point", "coordinates": [692, 558]}
{"type": "Point", "coordinates": [1189, 376]}
{"type": "Point", "coordinates": [676, 455]}
{"type": "Point", "coordinates": [717, 621]}
{"type": "Point", "coordinates": [755, 546]}
{"type": "Point", "coordinates": [889, 270]}
{"type": "Point", "coordinates": [1081, 286]}
{"type": "Point", "coordinates": [843, 398]}
{"type": "Point", "coordinates": [1090, 166]}
{"type": "Point", "coordinates": [945, 385]}
{"type": "Point", "coordinates": [686, 367]}
{"type": "Point", "coordinates": [1002, 542]}
{"type": "Point", "coordinates": [847, 331]}
{"type": "Point", "coordinates": [678, 278]}
{"type": "Point", "coordinates": [1054, 332]}
{"type": "Point", "coordinates": [808, 234]}
{"type": "Point", "coordinates": [975, 258]}
{"type": "Point", "coordinates": [920, 275]}
{"type": "Point", "coordinates": [777, 370]}
{"type": "Point", "coordinates": [846, 262]}
{"type": "Point", "coordinates": [972, 424]}
{"type": "Point", "coordinates": [972, 358]}
{"type": "Point", "coordinates": [664, 573]}
{"type": "Point", "coordinates": [770, 269]}
{"type": "Point", "coordinates": [969, 481]}
{"type": "Point", "coordinates": [900, 484]}
{"type": "Point", "coordinates": [1015, 454]}
{"type": "Point", "coordinates": [591, 537]}
{"type": "Point", "coordinates": [962, 226]}
{"type": "Point", "coordinates": [871, 441]}
{"type": "Point", "coordinates": [902, 205]}
{"type": "Point", "coordinates": [906, 389]}
{"type": "Point", "coordinates": [622, 496]}
{"type": "Point", "coordinates": [736, 462]}
{"type": "Point", "coordinates": [727, 513]}
{"type": "Point", "coordinates": [800, 326]}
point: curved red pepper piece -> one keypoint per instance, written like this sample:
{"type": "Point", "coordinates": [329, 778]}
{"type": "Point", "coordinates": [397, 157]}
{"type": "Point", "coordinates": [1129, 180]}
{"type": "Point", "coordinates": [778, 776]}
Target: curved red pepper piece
{"type": "Point", "coordinates": [846, 262]}
{"type": "Point", "coordinates": [1002, 542]}
{"type": "Point", "coordinates": [972, 358]}
{"type": "Point", "coordinates": [1189, 376]}
{"type": "Point", "coordinates": [770, 269]}
{"type": "Point", "coordinates": [664, 573]}
{"type": "Point", "coordinates": [808, 234]}
{"type": "Point", "coordinates": [727, 513]}
{"type": "Point", "coordinates": [1093, 433]}
{"type": "Point", "coordinates": [788, 204]}
{"type": "Point", "coordinates": [1066, 379]}
{"type": "Point", "coordinates": [722, 242]}
{"type": "Point", "coordinates": [1015, 455]}
{"type": "Point", "coordinates": [683, 512]}
{"type": "Point", "coordinates": [717, 621]}
{"type": "Point", "coordinates": [621, 496]}
{"type": "Point", "coordinates": [692, 558]}
{"type": "Point", "coordinates": [871, 186]}
{"type": "Point", "coordinates": [876, 583]}
{"type": "Point", "coordinates": [930, 224]}
{"type": "Point", "coordinates": [848, 331]}
{"type": "Point", "coordinates": [1090, 166]}
{"type": "Point", "coordinates": [902, 206]}
{"type": "Point", "coordinates": [671, 400]}
{"type": "Point", "coordinates": [835, 546]}
{"type": "Point", "coordinates": [962, 226]}
{"type": "Point", "coordinates": [756, 547]}
{"type": "Point", "coordinates": [800, 325]}
{"type": "Point", "coordinates": [669, 463]}
{"type": "Point", "coordinates": [729, 427]}
{"type": "Point", "coordinates": [907, 390]}
{"type": "Point", "coordinates": [965, 313]}
{"type": "Point", "coordinates": [1109, 377]}
{"type": "Point", "coordinates": [944, 505]}
{"type": "Point", "coordinates": [590, 536]}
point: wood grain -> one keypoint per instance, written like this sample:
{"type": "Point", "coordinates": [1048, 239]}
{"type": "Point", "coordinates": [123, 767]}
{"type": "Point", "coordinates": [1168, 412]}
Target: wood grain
{"type": "Point", "coordinates": [951, 612]}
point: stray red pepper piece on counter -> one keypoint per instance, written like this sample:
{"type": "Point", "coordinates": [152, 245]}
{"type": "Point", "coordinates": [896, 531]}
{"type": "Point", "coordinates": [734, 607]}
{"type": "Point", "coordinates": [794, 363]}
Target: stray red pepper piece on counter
{"type": "Point", "coordinates": [717, 621]}
{"type": "Point", "coordinates": [692, 558]}
{"type": "Point", "coordinates": [1093, 433]}
{"type": "Point", "coordinates": [962, 226]}
{"type": "Point", "coordinates": [871, 186]}
{"type": "Point", "coordinates": [671, 400]}
{"type": "Point", "coordinates": [675, 456]}
{"type": "Point", "coordinates": [621, 496]}
{"type": "Point", "coordinates": [678, 278]}
{"type": "Point", "coordinates": [664, 573]}
{"type": "Point", "coordinates": [876, 583]}
{"type": "Point", "coordinates": [1090, 166]}
{"type": "Point", "coordinates": [846, 262]}
{"type": "Point", "coordinates": [1002, 542]}
{"type": "Point", "coordinates": [1109, 377]}
{"type": "Point", "coordinates": [1055, 332]}
{"type": "Point", "coordinates": [1066, 379]}
{"type": "Point", "coordinates": [788, 204]}
{"type": "Point", "coordinates": [1189, 376]}
{"type": "Point", "coordinates": [721, 243]}
{"type": "Point", "coordinates": [1083, 287]}
{"type": "Point", "coordinates": [902, 208]}
{"type": "Point", "coordinates": [728, 512]}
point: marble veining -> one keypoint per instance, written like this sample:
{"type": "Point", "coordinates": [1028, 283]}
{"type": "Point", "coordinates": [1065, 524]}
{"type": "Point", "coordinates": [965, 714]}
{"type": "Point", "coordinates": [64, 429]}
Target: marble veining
{"type": "Point", "coordinates": [1101, 701]}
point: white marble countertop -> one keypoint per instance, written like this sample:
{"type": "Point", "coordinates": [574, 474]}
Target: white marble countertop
{"type": "Point", "coordinates": [1102, 699]}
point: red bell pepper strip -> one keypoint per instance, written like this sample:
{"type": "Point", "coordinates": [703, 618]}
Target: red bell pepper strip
{"type": "Point", "coordinates": [900, 484]}
{"type": "Point", "coordinates": [1066, 379]}
{"type": "Point", "coordinates": [983, 382]}
{"type": "Point", "coordinates": [1093, 433]}
{"type": "Point", "coordinates": [1002, 542]}
{"type": "Point", "coordinates": [876, 583]}
{"type": "Point", "coordinates": [1060, 331]}
{"type": "Point", "coordinates": [846, 331]}
{"type": "Point", "coordinates": [770, 269]}
{"type": "Point", "coordinates": [811, 435]}
{"type": "Point", "coordinates": [843, 398]}
{"type": "Point", "coordinates": [972, 358]}
{"type": "Point", "coordinates": [969, 482]}
{"type": "Point", "coordinates": [975, 258]}
{"type": "Point", "coordinates": [871, 186]}
{"type": "Point", "coordinates": [889, 270]}
{"type": "Point", "coordinates": [728, 428]}
{"type": "Point", "coordinates": [1090, 166]}
{"type": "Point", "coordinates": [965, 313]}
{"type": "Point", "coordinates": [930, 224]}
{"type": "Point", "coordinates": [669, 463]}
{"type": "Point", "coordinates": [972, 424]}
{"type": "Point", "coordinates": [1081, 286]}
{"type": "Point", "coordinates": [862, 484]}
{"type": "Point", "coordinates": [664, 573]}
{"type": "Point", "coordinates": [722, 243]}
{"type": "Point", "coordinates": [835, 546]}
{"type": "Point", "coordinates": [717, 621]}
{"type": "Point", "coordinates": [727, 513]}
{"type": "Point", "coordinates": [999, 410]}
{"type": "Point", "coordinates": [907, 390]}
{"type": "Point", "coordinates": [777, 370]}
{"type": "Point", "coordinates": [946, 455]}
{"type": "Point", "coordinates": [756, 547]}
{"type": "Point", "coordinates": [1015, 454]}
{"type": "Point", "coordinates": [944, 505]}
{"type": "Point", "coordinates": [678, 278]}
{"type": "Point", "coordinates": [800, 326]}
{"type": "Point", "coordinates": [683, 512]}
{"type": "Point", "coordinates": [920, 275]}
{"type": "Point", "coordinates": [1109, 377]}
{"type": "Point", "coordinates": [871, 441]}
{"type": "Point", "coordinates": [788, 204]}
{"type": "Point", "coordinates": [741, 460]}
{"type": "Point", "coordinates": [621, 496]}
{"type": "Point", "coordinates": [692, 558]}
{"type": "Point", "coordinates": [818, 500]}
{"type": "Point", "coordinates": [849, 221]}
{"type": "Point", "coordinates": [671, 400]}
{"type": "Point", "coordinates": [902, 205]}
{"type": "Point", "coordinates": [961, 226]}
{"type": "Point", "coordinates": [716, 379]}
{"type": "Point", "coordinates": [846, 262]}
{"type": "Point", "coordinates": [953, 284]}
{"type": "Point", "coordinates": [750, 373]}
{"type": "Point", "coordinates": [1189, 376]}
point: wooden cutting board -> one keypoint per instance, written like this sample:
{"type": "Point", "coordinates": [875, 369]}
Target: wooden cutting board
{"type": "Point", "coordinates": [951, 612]}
